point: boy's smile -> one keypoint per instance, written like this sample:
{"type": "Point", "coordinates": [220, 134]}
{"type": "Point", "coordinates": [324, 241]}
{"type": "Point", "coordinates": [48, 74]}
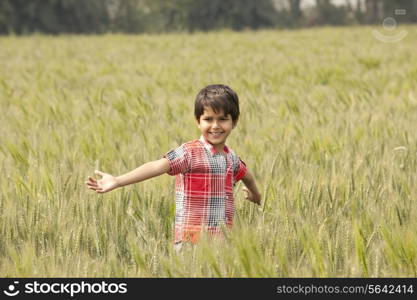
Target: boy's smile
{"type": "Point", "coordinates": [215, 127]}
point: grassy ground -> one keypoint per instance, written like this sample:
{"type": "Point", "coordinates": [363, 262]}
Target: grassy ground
{"type": "Point", "coordinates": [327, 126]}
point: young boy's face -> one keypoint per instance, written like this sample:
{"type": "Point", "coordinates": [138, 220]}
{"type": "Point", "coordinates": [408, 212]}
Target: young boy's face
{"type": "Point", "coordinates": [215, 127]}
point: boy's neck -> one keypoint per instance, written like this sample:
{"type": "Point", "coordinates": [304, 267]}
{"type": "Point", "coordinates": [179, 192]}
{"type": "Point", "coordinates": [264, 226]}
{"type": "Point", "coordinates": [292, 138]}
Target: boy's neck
{"type": "Point", "coordinates": [221, 148]}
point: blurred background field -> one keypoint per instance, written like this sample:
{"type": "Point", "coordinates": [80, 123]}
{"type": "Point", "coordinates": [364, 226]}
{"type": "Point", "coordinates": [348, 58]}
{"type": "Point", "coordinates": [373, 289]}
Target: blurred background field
{"type": "Point", "coordinates": [327, 127]}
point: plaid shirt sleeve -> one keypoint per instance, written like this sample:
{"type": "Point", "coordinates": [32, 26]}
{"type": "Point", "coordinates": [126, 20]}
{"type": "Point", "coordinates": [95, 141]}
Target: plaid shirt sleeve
{"type": "Point", "coordinates": [239, 169]}
{"type": "Point", "coordinates": [179, 160]}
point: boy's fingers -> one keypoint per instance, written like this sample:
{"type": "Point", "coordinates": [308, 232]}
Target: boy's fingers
{"type": "Point", "coordinates": [98, 190]}
{"type": "Point", "coordinates": [91, 180]}
{"type": "Point", "coordinates": [97, 172]}
{"type": "Point", "coordinates": [91, 185]}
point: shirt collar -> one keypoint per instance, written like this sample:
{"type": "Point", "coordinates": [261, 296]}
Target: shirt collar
{"type": "Point", "coordinates": [210, 147]}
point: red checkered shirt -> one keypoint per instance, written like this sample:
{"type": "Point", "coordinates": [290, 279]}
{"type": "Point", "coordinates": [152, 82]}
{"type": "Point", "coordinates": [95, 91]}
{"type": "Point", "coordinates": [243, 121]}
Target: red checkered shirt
{"type": "Point", "coordinates": [204, 188]}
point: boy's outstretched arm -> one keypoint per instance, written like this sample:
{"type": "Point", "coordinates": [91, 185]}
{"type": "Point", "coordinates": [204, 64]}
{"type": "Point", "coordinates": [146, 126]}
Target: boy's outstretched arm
{"type": "Point", "coordinates": [109, 182]}
{"type": "Point", "coordinates": [251, 189]}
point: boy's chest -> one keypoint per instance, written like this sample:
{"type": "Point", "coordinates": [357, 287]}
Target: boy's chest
{"type": "Point", "coordinates": [213, 164]}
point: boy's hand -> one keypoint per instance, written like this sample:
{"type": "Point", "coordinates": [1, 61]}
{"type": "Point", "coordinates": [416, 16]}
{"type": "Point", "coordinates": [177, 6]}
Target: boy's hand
{"type": "Point", "coordinates": [103, 185]}
{"type": "Point", "coordinates": [252, 197]}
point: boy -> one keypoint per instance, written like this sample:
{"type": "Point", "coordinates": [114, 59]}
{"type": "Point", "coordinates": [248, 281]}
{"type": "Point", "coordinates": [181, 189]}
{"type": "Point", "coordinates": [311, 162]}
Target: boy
{"type": "Point", "coordinates": [206, 169]}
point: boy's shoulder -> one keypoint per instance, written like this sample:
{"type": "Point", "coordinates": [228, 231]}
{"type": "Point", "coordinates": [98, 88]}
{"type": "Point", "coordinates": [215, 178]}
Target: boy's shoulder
{"type": "Point", "coordinates": [194, 144]}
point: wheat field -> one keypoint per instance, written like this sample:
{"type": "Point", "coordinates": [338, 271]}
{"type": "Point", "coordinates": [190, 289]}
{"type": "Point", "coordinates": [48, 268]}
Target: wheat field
{"type": "Point", "coordinates": [327, 127]}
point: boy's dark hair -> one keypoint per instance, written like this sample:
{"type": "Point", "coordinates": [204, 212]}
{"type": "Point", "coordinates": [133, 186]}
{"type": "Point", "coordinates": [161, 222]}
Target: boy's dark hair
{"type": "Point", "coordinates": [218, 97]}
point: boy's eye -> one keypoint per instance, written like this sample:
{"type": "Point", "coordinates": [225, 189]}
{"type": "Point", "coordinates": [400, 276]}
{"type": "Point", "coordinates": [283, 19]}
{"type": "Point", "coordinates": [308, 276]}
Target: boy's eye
{"type": "Point", "coordinates": [210, 119]}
